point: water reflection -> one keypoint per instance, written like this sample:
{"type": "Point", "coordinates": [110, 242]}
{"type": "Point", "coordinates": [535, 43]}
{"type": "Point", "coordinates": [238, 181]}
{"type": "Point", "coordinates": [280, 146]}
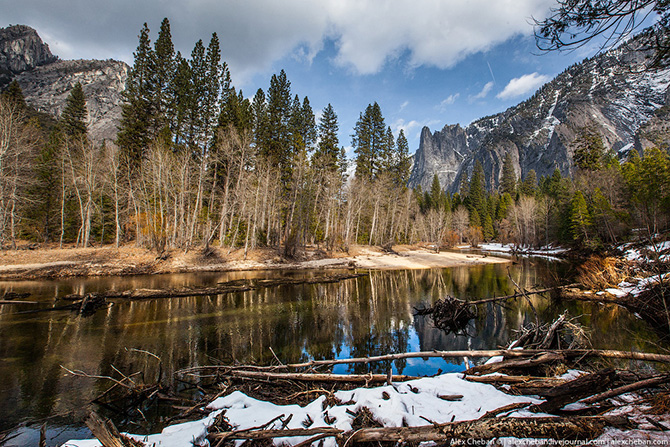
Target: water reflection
{"type": "Point", "coordinates": [371, 315]}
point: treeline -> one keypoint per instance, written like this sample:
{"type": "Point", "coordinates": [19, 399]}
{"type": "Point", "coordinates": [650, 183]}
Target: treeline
{"type": "Point", "coordinates": [196, 163]}
{"type": "Point", "coordinates": [604, 203]}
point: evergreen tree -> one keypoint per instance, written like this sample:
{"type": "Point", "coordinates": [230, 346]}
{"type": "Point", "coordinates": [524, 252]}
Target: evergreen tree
{"type": "Point", "coordinates": [580, 219]}
{"type": "Point", "coordinates": [589, 150]}
{"type": "Point", "coordinates": [327, 151]}
{"type": "Point", "coordinates": [369, 142]}
{"type": "Point", "coordinates": [436, 193]}
{"type": "Point", "coordinates": [136, 115]}
{"type": "Point", "coordinates": [181, 100]}
{"type": "Point", "coordinates": [529, 185]}
{"type": "Point", "coordinates": [477, 190]}
{"type": "Point", "coordinates": [73, 118]}
{"type": "Point", "coordinates": [13, 93]}
{"type": "Point", "coordinates": [508, 181]}
{"type": "Point", "coordinates": [162, 68]}
{"type": "Point", "coordinates": [259, 116]}
{"type": "Point", "coordinates": [236, 111]}
{"type": "Point", "coordinates": [403, 163]}
{"type": "Point", "coordinates": [276, 136]}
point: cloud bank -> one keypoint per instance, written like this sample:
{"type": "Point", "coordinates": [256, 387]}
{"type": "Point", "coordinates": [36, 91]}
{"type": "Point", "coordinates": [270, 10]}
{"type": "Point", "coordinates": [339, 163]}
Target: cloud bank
{"type": "Point", "coordinates": [255, 33]}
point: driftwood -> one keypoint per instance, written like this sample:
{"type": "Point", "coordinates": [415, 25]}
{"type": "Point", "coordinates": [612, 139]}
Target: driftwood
{"type": "Point", "coordinates": [647, 383]}
{"type": "Point", "coordinates": [531, 362]}
{"type": "Point", "coordinates": [315, 377]}
{"type": "Point", "coordinates": [507, 353]}
{"type": "Point", "coordinates": [105, 432]}
{"type": "Point", "coordinates": [488, 428]}
{"type": "Point", "coordinates": [18, 302]}
{"type": "Point", "coordinates": [574, 390]}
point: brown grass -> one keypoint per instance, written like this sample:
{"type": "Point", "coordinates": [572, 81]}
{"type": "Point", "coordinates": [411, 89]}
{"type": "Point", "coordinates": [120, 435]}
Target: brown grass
{"type": "Point", "coordinates": [599, 273]}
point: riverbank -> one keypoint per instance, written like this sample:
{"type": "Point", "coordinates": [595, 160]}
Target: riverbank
{"type": "Point", "coordinates": [46, 262]}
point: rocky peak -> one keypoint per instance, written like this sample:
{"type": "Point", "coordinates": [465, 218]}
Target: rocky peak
{"type": "Point", "coordinates": [21, 49]}
{"type": "Point", "coordinates": [47, 81]}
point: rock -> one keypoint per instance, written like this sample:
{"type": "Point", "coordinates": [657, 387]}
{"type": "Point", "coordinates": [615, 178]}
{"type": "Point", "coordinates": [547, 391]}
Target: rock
{"type": "Point", "coordinates": [46, 81]}
{"type": "Point", "coordinates": [47, 87]}
{"type": "Point", "coordinates": [21, 49]}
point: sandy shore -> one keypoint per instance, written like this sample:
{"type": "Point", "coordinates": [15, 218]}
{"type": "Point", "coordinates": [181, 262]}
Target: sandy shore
{"type": "Point", "coordinates": [104, 261]}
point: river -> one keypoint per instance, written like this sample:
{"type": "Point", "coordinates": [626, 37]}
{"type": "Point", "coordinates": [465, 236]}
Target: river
{"type": "Point", "coordinates": [370, 315]}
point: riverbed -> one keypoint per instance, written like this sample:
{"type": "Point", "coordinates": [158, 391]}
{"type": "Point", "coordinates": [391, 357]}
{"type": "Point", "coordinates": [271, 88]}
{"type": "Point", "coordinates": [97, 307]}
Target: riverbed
{"type": "Point", "coordinates": [370, 315]}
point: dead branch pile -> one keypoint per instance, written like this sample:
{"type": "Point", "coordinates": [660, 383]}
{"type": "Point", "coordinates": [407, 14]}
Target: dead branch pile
{"type": "Point", "coordinates": [563, 333]}
{"type": "Point", "coordinates": [450, 314]}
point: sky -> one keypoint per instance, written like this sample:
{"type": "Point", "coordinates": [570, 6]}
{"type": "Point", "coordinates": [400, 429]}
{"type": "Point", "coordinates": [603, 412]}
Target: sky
{"type": "Point", "coordinates": [426, 62]}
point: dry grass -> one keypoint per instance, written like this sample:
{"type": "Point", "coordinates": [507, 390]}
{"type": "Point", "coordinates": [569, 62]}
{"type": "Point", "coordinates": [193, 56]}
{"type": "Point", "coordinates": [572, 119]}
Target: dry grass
{"type": "Point", "coordinates": [601, 273]}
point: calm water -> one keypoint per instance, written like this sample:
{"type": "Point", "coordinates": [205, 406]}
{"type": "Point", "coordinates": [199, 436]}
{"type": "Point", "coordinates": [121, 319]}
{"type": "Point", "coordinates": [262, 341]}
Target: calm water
{"type": "Point", "coordinates": [366, 316]}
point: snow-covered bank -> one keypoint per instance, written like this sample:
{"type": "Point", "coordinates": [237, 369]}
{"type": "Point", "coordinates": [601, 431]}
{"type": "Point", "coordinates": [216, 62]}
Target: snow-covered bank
{"type": "Point", "coordinates": [546, 252]}
{"type": "Point", "coordinates": [412, 403]}
{"type": "Point", "coordinates": [440, 399]}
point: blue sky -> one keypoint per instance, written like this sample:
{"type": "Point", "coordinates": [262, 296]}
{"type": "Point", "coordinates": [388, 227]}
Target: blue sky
{"type": "Point", "coordinates": [426, 62]}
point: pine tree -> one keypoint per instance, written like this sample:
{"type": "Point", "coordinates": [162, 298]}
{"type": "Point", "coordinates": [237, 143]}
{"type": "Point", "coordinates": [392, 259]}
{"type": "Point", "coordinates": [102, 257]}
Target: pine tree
{"type": "Point", "coordinates": [477, 190]}
{"type": "Point", "coordinates": [589, 150]}
{"type": "Point", "coordinates": [73, 118]}
{"type": "Point", "coordinates": [259, 115]}
{"type": "Point", "coordinates": [181, 100]}
{"type": "Point", "coordinates": [580, 219]}
{"type": "Point", "coordinates": [14, 93]}
{"type": "Point", "coordinates": [436, 193]}
{"type": "Point", "coordinates": [136, 114]}
{"type": "Point", "coordinates": [162, 68]}
{"type": "Point", "coordinates": [327, 150]}
{"type": "Point", "coordinates": [370, 136]}
{"type": "Point", "coordinates": [276, 141]}
{"type": "Point", "coordinates": [403, 163]}
{"type": "Point", "coordinates": [508, 181]}
{"type": "Point", "coordinates": [529, 185]}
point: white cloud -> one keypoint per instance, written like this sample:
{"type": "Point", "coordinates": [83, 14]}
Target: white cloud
{"type": "Point", "coordinates": [484, 92]}
{"type": "Point", "coordinates": [523, 85]}
{"type": "Point", "coordinates": [448, 101]}
{"type": "Point", "coordinates": [403, 106]}
{"type": "Point", "coordinates": [256, 33]}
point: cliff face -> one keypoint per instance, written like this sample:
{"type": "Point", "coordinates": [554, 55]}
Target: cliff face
{"type": "Point", "coordinates": [611, 93]}
{"type": "Point", "coordinates": [21, 49]}
{"type": "Point", "coordinates": [46, 81]}
{"type": "Point", "coordinates": [47, 87]}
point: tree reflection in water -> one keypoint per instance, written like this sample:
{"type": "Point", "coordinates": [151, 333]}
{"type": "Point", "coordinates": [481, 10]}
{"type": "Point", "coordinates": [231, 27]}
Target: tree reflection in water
{"type": "Point", "coordinates": [367, 316]}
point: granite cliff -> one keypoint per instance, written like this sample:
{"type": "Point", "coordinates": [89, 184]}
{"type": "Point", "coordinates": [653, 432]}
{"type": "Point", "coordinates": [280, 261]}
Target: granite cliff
{"type": "Point", "coordinates": [611, 92]}
{"type": "Point", "coordinates": [46, 81]}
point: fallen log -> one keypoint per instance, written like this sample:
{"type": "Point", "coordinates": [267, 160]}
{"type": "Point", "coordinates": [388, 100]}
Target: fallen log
{"type": "Point", "coordinates": [18, 302]}
{"type": "Point", "coordinates": [507, 353]}
{"type": "Point", "coordinates": [540, 359]}
{"type": "Point", "coordinates": [647, 383]}
{"type": "Point", "coordinates": [315, 377]}
{"type": "Point", "coordinates": [105, 432]}
{"type": "Point", "coordinates": [221, 288]}
{"type": "Point", "coordinates": [574, 390]}
{"type": "Point", "coordinates": [584, 428]}
{"type": "Point", "coordinates": [550, 381]}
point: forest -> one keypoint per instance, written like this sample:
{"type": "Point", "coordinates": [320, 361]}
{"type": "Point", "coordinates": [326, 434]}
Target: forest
{"type": "Point", "coordinates": [198, 164]}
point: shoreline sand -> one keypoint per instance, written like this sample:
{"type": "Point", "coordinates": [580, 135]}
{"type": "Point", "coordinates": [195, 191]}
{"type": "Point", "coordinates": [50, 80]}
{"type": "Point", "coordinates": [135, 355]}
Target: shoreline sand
{"type": "Point", "coordinates": [43, 263]}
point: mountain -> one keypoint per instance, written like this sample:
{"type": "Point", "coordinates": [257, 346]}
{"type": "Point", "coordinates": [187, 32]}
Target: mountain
{"type": "Point", "coordinates": [46, 81]}
{"type": "Point", "coordinates": [611, 93]}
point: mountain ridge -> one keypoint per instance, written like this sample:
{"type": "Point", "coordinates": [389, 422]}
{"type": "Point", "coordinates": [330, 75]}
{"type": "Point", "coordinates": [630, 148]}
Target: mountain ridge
{"type": "Point", "coordinates": [610, 93]}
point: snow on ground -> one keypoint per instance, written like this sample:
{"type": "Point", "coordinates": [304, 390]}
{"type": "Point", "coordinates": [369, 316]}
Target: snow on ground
{"type": "Point", "coordinates": [391, 405]}
{"type": "Point", "coordinates": [635, 254]}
